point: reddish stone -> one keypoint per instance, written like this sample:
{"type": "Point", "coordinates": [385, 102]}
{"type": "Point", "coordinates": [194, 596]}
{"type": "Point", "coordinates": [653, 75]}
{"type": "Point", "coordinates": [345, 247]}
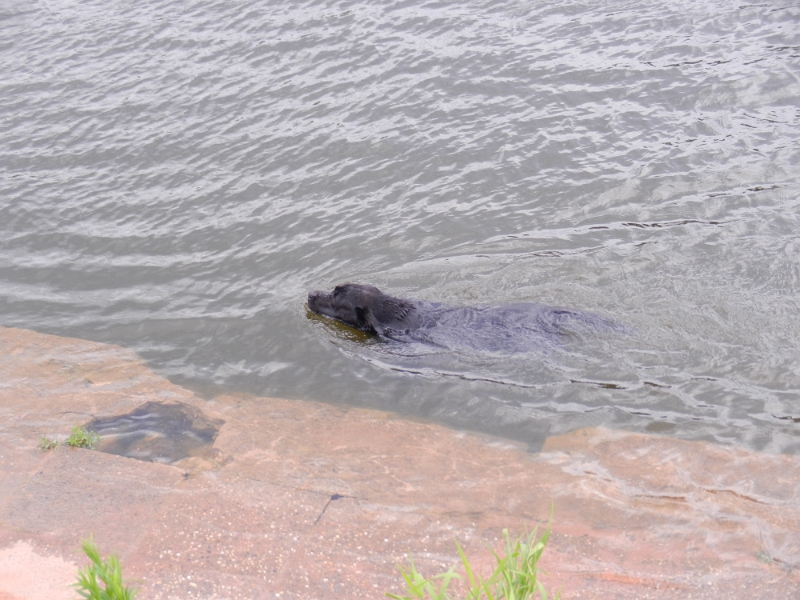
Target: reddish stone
{"type": "Point", "coordinates": [307, 500]}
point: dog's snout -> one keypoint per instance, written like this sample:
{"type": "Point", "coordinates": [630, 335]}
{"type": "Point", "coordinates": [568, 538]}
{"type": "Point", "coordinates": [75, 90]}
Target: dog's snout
{"type": "Point", "coordinates": [316, 300]}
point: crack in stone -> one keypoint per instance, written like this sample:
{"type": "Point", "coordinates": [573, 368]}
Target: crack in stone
{"type": "Point", "coordinates": [324, 508]}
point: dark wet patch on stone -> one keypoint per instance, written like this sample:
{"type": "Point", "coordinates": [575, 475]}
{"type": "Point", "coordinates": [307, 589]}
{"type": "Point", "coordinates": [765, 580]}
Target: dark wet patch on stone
{"type": "Point", "coordinates": [158, 432]}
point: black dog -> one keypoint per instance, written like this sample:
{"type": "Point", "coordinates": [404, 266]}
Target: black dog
{"type": "Point", "coordinates": [514, 327]}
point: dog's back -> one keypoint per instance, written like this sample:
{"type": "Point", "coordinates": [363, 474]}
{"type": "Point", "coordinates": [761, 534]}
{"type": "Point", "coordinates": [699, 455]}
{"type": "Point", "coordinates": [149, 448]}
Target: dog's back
{"type": "Point", "coordinates": [522, 327]}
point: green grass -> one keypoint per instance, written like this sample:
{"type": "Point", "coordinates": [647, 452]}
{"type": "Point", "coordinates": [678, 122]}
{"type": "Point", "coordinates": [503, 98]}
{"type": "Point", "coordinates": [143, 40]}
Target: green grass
{"type": "Point", "coordinates": [79, 438]}
{"type": "Point", "coordinates": [764, 556]}
{"type": "Point", "coordinates": [101, 580]}
{"type": "Point", "coordinates": [45, 443]}
{"type": "Point", "coordinates": [515, 576]}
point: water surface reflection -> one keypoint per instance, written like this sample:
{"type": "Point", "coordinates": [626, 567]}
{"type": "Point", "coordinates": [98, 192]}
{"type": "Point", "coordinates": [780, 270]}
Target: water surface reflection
{"type": "Point", "coordinates": [174, 178]}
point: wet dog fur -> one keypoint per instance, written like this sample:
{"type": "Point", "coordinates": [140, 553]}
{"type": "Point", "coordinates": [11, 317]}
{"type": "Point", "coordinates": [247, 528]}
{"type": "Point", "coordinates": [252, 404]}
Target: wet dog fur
{"type": "Point", "coordinates": [366, 308]}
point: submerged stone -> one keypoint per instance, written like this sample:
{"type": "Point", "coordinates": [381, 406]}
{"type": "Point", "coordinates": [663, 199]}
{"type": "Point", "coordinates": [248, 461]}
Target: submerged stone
{"type": "Point", "coordinates": [157, 432]}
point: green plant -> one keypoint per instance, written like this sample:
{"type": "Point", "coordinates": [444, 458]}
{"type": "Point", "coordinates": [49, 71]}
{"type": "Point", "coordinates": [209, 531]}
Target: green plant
{"type": "Point", "coordinates": [45, 444]}
{"type": "Point", "coordinates": [79, 438]}
{"type": "Point", "coordinates": [82, 438]}
{"type": "Point", "coordinates": [515, 576]}
{"type": "Point", "coordinates": [418, 587]}
{"type": "Point", "coordinates": [108, 572]}
{"type": "Point", "coordinates": [764, 556]}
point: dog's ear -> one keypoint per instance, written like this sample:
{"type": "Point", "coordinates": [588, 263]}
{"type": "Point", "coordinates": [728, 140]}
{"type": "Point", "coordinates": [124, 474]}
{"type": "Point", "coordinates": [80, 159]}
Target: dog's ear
{"type": "Point", "coordinates": [390, 312]}
{"type": "Point", "coordinates": [367, 321]}
{"type": "Point", "coordinates": [379, 314]}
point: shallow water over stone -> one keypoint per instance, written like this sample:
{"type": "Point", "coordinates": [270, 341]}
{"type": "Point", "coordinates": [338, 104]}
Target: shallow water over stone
{"type": "Point", "coordinates": [157, 432]}
{"type": "Point", "coordinates": [175, 177]}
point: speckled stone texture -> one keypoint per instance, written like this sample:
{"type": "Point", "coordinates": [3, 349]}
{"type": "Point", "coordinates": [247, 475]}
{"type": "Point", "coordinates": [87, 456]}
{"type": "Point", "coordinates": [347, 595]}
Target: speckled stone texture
{"type": "Point", "coordinates": [307, 500]}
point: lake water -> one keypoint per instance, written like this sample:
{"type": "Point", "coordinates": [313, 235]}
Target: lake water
{"type": "Point", "coordinates": [175, 176]}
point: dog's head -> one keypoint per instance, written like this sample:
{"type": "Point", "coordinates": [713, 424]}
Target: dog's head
{"type": "Point", "coordinates": [362, 306]}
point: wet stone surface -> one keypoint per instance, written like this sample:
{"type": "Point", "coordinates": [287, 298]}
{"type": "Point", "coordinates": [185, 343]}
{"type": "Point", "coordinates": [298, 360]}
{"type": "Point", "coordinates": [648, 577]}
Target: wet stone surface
{"type": "Point", "coordinates": [158, 432]}
{"type": "Point", "coordinates": [321, 501]}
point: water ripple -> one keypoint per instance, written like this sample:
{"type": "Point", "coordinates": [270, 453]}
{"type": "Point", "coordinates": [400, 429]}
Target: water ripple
{"type": "Point", "coordinates": [174, 178]}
